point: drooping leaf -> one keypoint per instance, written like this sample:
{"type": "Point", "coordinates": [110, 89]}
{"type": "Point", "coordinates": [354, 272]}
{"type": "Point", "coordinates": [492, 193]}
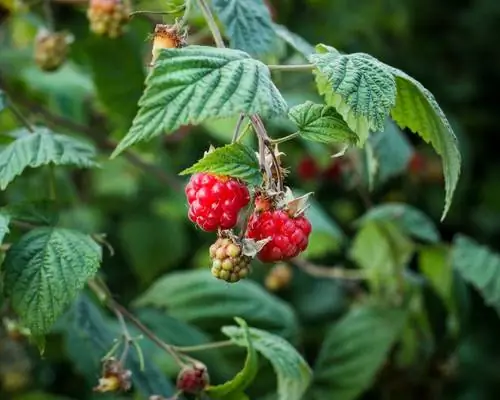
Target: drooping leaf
{"type": "Point", "coordinates": [417, 110]}
{"type": "Point", "coordinates": [479, 266]}
{"type": "Point", "coordinates": [392, 150]}
{"type": "Point", "coordinates": [369, 166]}
{"type": "Point", "coordinates": [354, 350]}
{"type": "Point", "coordinates": [90, 335]}
{"type": "Point", "coordinates": [45, 270]}
{"type": "Point", "coordinates": [246, 376]}
{"type": "Point", "coordinates": [4, 224]}
{"type": "Point", "coordinates": [321, 123]}
{"type": "Point", "coordinates": [292, 371]}
{"type": "Point", "coordinates": [198, 298]}
{"type": "Point", "coordinates": [409, 219]}
{"type": "Point", "coordinates": [190, 85]}
{"type": "Point", "coordinates": [248, 25]}
{"type": "Point", "coordinates": [41, 148]}
{"type": "Point", "coordinates": [236, 160]}
{"type": "Point", "coordinates": [294, 40]}
{"type": "Point", "coordinates": [360, 87]}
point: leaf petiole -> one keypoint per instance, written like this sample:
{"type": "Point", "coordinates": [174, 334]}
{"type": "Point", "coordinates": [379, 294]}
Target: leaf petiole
{"type": "Point", "coordinates": [291, 67]}
{"type": "Point", "coordinates": [285, 138]}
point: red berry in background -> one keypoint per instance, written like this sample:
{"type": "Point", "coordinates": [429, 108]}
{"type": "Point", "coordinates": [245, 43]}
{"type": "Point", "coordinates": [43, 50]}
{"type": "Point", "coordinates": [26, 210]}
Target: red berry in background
{"type": "Point", "coordinates": [307, 169]}
{"type": "Point", "coordinates": [215, 201]}
{"type": "Point", "coordinates": [334, 170]}
{"type": "Point", "coordinates": [417, 163]}
{"type": "Point", "coordinates": [193, 378]}
{"type": "Point", "coordinates": [289, 235]}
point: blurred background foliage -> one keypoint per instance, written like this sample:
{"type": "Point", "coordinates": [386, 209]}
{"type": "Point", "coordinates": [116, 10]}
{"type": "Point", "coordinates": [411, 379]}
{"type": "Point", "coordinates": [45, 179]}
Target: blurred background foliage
{"type": "Point", "coordinates": [139, 202]}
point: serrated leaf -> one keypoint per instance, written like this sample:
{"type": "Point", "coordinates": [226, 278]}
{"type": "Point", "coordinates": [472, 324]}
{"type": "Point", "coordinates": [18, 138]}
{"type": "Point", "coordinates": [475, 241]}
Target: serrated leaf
{"type": "Point", "coordinates": [41, 148]}
{"type": "Point", "coordinates": [198, 298]}
{"type": "Point", "coordinates": [248, 25]}
{"type": "Point", "coordinates": [90, 335]}
{"type": "Point", "coordinates": [417, 110]}
{"type": "Point", "coordinates": [196, 83]}
{"type": "Point", "coordinates": [45, 270]}
{"type": "Point", "coordinates": [479, 266]}
{"type": "Point", "coordinates": [321, 123]}
{"type": "Point", "coordinates": [294, 40]}
{"type": "Point", "coordinates": [4, 224]}
{"type": "Point", "coordinates": [409, 219]}
{"type": "Point", "coordinates": [354, 350]}
{"type": "Point", "coordinates": [243, 378]}
{"type": "Point", "coordinates": [360, 87]}
{"type": "Point", "coordinates": [235, 160]}
{"type": "Point", "coordinates": [293, 373]}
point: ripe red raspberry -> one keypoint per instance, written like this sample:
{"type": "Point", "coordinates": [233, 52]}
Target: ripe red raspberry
{"type": "Point", "coordinates": [215, 201]}
{"type": "Point", "coordinates": [228, 263]}
{"type": "Point", "coordinates": [307, 169]}
{"type": "Point", "coordinates": [289, 235]}
{"type": "Point", "coordinates": [193, 378]}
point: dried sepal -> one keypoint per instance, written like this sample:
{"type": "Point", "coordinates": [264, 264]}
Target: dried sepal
{"type": "Point", "coordinates": [114, 377]}
{"type": "Point", "coordinates": [252, 247]}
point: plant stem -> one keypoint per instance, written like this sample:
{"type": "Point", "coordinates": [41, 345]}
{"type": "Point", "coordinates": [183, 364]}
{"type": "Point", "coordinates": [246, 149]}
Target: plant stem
{"type": "Point", "coordinates": [174, 11]}
{"type": "Point", "coordinates": [19, 115]}
{"type": "Point", "coordinates": [187, 10]}
{"type": "Point", "coordinates": [320, 271]}
{"type": "Point", "coordinates": [209, 17]}
{"type": "Point", "coordinates": [49, 16]}
{"type": "Point", "coordinates": [202, 347]}
{"type": "Point", "coordinates": [237, 128]}
{"type": "Point", "coordinates": [52, 182]}
{"type": "Point", "coordinates": [292, 67]}
{"type": "Point", "coordinates": [285, 138]}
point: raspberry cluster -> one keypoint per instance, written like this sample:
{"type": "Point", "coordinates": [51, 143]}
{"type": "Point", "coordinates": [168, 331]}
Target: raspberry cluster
{"type": "Point", "coordinates": [107, 17]}
{"type": "Point", "coordinates": [215, 201]}
{"type": "Point", "coordinates": [228, 262]}
{"type": "Point", "coordinates": [289, 235]}
{"type": "Point", "coordinates": [51, 49]}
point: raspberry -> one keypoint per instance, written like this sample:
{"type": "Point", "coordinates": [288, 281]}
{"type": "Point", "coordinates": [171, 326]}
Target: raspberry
{"type": "Point", "coordinates": [193, 378]}
{"type": "Point", "coordinates": [307, 169]}
{"type": "Point", "coordinates": [228, 263]}
{"type": "Point", "coordinates": [107, 17]}
{"type": "Point", "coordinates": [166, 37]}
{"type": "Point", "coordinates": [215, 201]}
{"type": "Point", "coordinates": [289, 235]}
{"type": "Point", "coordinates": [51, 50]}
{"type": "Point", "coordinates": [279, 277]}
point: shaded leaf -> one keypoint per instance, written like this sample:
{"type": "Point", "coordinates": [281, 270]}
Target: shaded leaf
{"type": "Point", "coordinates": [354, 350]}
{"type": "Point", "coordinates": [417, 109]}
{"type": "Point", "coordinates": [3, 100]}
{"type": "Point", "coordinates": [196, 83]}
{"type": "Point", "coordinates": [294, 40]}
{"type": "Point", "coordinates": [360, 87]}
{"type": "Point", "coordinates": [321, 123]}
{"type": "Point", "coordinates": [235, 160]}
{"type": "Point", "coordinates": [246, 376]}
{"type": "Point", "coordinates": [293, 373]}
{"type": "Point", "coordinates": [409, 219]}
{"type": "Point", "coordinates": [479, 266]}
{"type": "Point", "coordinates": [248, 25]}
{"type": "Point", "coordinates": [41, 148]}
{"type": "Point", "coordinates": [198, 298]}
{"type": "Point", "coordinates": [4, 224]}
{"type": "Point", "coordinates": [44, 272]}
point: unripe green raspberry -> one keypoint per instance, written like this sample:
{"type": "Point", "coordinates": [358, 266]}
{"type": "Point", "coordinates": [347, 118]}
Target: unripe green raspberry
{"type": "Point", "coordinates": [228, 263]}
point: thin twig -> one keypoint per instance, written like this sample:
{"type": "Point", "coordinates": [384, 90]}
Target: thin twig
{"type": "Point", "coordinates": [209, 17]}
{"type": "Point", "coordinates": [19, 115]}
{"type": "Point", "coordinates": [49, 16]}
{"type": "Point", "coordinates": [174, 11]}
{"type": "Point", "coordinates": [285, 138]}
{"type": "Point", "coordinates": [187, 10]}
{"type": "Point", "coordinates": [291, 67]}
{"type": "Point", "coordinates": [237, 128]}
{"type": "Point", "coordinates": [203, 347]}
{"type": "Point", "coordinates": [127, 339]}
{"type": "Point", "coordinates": [320, 271]}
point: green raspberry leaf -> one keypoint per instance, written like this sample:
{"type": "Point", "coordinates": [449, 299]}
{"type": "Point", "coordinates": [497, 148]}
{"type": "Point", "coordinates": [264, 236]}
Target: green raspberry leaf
{"type": "Point", "coordinates": [248, 25]}
{"type": "Point", "coordinates": [3, 100]}
{"type": "Point", "coordinates": [360, 87]}
{"type": "Point", "coordinates": [293, 373]}
{"type": "Point", "coordinates": [417, 110]}
{"type": "Point", "coordinates": [321, 123]}
{"type": "Point", "coordinates": [235, 160]}
{"type": "Point", "coordinates": [196, 83]}
{"type": "Point", "coordinates": [246, 376]}
{"type": "Point", "coordinates": [41, 148]}
{"type": "Point", "coordinates": [354, 350]}
{"type": "Point", "coordinates": [4, 224]}
{"type": "Point", "coordinates": [45, 271]}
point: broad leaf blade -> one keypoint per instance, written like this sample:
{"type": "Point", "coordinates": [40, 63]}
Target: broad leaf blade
{"type": "Point", "coordinates": [354, 351]}
{"type": "Point", "coordinates": [479, 266]}
{"type": "Point", "coordinates": [360, 87]}
{"type": "Point", "coordinates": [248, 25]}
{"type": "Point", "coordinates": [246, 376]}
{"type": "Point", "coordinates": [41, 148]}
{"type": "Point", "coordinates": [409, 219]}
{"type": "Point", "coordinates": [198, 298]}
{"type": "Point", "coordinates": [4, 224]}
{"type": "Point", "coordinates": [293, 373]}
{"type": "Point", "coordinates": [417, 110]}
{"type": "Point", "coordinates": [196, 83]}
{"type": "Point", "coordinates": [321, 123]}
{"type": "Point", "coordinates": [235, 160]}
{"type": "Point", "coordinates": [45, 271]}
